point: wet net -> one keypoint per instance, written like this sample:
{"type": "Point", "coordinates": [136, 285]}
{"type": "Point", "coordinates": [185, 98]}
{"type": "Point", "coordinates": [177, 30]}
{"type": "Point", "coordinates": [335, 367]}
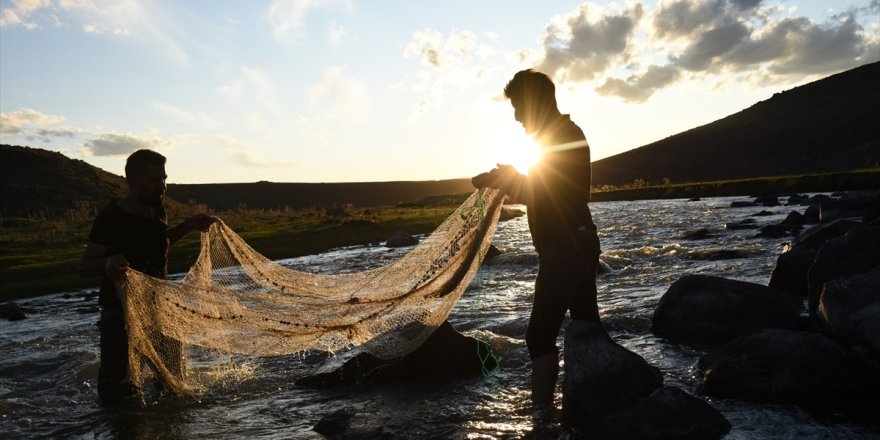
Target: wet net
{"type": "Point", "coordinates": [235, 302]}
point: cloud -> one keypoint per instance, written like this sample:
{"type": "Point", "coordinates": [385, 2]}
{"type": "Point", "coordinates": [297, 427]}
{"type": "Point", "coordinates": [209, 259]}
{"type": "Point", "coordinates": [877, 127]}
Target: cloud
{"type": "Point", "coordinates": [254, 88]}
{"type": "Point", "coordinates": [118, 144]}
{"type": "Point", "coordinates": [243, 153]}
{"type": "Point", "coordinates": [747, 41]}
{"type": "Point", "coordinates": [458, 61]}
{"type": "Point", "coordinates": [638, 88]}
{"type": "Point", "coordinates": [150, 25]}
{"type": "Point", "coordinates": [588, 41]}
{"type": "Point", "coordinates": [20, 11]}
{"type": "Point", "coordinates": [180, 115]}
{"type": "Point", "coordinates": [341, 96]}
{"type": "Point", "coordinates": [336, 33]}
{"type": "Point", "coordinates": [19, 122]}
{"type": "Point", "coordinates": [287, 18]}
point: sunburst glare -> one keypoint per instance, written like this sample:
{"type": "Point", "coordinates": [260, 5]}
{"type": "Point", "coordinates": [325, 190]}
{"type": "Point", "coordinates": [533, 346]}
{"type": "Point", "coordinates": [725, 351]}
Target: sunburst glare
{"type": "Point", "coordinates": [514, 148]}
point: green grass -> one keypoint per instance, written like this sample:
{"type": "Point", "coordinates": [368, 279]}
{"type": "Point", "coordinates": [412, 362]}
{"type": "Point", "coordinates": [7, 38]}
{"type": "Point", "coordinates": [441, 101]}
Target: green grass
{"type": "Point", "coordinates": [826, 182]}
{"type": "Point", "coordinates": [39, 257]}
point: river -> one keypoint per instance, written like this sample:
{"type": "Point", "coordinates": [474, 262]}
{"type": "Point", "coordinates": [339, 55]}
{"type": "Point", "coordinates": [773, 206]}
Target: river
{"type": "Point", "coordinates": [49, 366]}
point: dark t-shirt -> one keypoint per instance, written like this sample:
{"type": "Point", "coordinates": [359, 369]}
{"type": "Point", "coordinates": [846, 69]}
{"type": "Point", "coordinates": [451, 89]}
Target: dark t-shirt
{"type": "Point", "coordinates": [143, 242]}
{"type": "Point", "coordinates": [560, 190]}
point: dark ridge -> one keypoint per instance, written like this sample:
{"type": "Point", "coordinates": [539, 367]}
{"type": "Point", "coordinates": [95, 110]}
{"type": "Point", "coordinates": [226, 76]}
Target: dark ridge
{"type": "Point", "coordinates": [34, 181]}
{"type": "Point", "coordinates": [829, 125]}
{"type": "Point", "coordinates": [303, 195]}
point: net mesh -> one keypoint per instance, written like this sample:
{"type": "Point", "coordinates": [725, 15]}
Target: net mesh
{"type": "Point", "coordinates": [234, 301]}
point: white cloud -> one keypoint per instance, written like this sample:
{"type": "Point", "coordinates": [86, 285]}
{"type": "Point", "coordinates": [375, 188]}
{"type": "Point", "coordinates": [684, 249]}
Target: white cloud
{"type": "Point", "coordinates": [460, 60]}
{"type": "Point", "coordinates": [720, 40]}
{"type": "Point", "coordinates": [150, 25]}
{"type": "Point", "coordinates": [243, 153]}
{"type": "Point", "coordinates": [120, 144]}
{"type": "Point", "coordinates": [287, 18]}
{"type": "Point", "coordinates": [336, 33]}
{"type": "Point", "coordinates": [14, 123]}
{"type": "Point", "coordinates": [339, 95]}
{"type": "Point", "coordinates": [181, 115]}
{"type": "Point", "coordinates": [255, 88]}
{"type": "Point", "coordinates": [588, 41]}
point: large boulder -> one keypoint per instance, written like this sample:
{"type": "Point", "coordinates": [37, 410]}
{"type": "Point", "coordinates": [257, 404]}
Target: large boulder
{"type": "Point", "coordinates": [784, 366]}
{"type": "Point", "coordinates": [400, 239]}
{"type": "Point", "coordinates": [855, 252]}
{"type": "Point", "coordinates": [700, 309]}
{"type": "Point", "coordinates": [445, 354]}
{"type": "Point", "coordinates": [790, 273]}
{"type": "Point", "coordinates": [849, 309]}
{"type": "Point", "coordinates": [668, 413]}
{"type": "Point", "coordinates": [768, 199]}
{"type": "Point", "coordinates": [601, 376]}
{"type": "Point", "coordinates": [864, 204]}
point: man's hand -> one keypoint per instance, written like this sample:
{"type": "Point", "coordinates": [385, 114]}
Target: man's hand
{"type": "Point", "coordinates": [202, 221]}
{"type": "Point", "coordinates": [497, 178]}
{"type": "Point", "coordinates": [115, 267]}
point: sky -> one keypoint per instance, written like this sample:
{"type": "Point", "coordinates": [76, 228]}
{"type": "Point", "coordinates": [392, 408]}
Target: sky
{"type": "Point", "coordinates": [351, 90]}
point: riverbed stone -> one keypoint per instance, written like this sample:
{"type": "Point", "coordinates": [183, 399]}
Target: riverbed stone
{"type": "Point", "coordinates": [668, 413]}
{"type": "Point", "coordinates": [779, 365]}
{"type": "Point", "coordinates": [849, 309]}
{"type": "Point", "coordinates": [13, 311]}
{"type": "Point", "coordinates": [401, 239]}
{"type": "Point", "coordinates": [856, 251]}
{"type": "Point", "coordinates": [769, 199]}
{"type": "Point", "coordinates": [515, 259]}
{"type": "Point", "coordinates": [790, 272]}
{"type": "Point", "coordinates": [701, 309]}
{"type": "Point", "coordinates": [444, 355]}
{"type": "Point", "coordinates": [601, 376]}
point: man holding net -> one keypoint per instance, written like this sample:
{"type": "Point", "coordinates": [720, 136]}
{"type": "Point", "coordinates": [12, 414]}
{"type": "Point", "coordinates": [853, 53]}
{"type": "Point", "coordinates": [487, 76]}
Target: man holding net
{"type": "Point", "coordinates": [556, 193]}
{"type": "Point", "coordinates": [131, 233]}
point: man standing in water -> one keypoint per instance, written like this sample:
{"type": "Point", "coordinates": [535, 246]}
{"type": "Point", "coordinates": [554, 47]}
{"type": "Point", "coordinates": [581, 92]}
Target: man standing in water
{"type": "Point", "coordinates": [131, 232]}
{"type": "Point", "coordinates": [556, 193]}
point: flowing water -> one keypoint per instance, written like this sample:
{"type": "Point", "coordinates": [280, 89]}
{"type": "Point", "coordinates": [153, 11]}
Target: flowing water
{"type": "Point", "coordinates": [49, 363]}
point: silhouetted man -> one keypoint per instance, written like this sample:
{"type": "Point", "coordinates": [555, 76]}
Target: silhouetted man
{"type": "Point", "coordinates": [556, 192]}
{"type": "Point", "coordinates": [131, 232]}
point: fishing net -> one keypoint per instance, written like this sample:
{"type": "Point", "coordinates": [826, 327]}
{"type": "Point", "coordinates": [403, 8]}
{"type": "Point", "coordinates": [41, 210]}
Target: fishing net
{"type": "Point", "coordinates": [234, 302]}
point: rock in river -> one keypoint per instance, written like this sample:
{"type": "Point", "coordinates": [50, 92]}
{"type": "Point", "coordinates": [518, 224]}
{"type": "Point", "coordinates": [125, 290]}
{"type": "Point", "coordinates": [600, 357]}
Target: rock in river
{"type": "Point", "coordinates": [855, 252]}
{"type": "Point", "coordinates": [668, 413]}
{"type": "Point", "coordinates": [401, 239]}
{"type": "Point", "coordinates": [784, 366]}
{"type": "Point", "coordinates": [13, 312]}
{"type": "Point", "coordinates": [849, 309]}
{"type": "Point", "coordinates": [445, 354]}
{"type": "Point", "coordinates": [700, 309]}
{"type": "Point", "coordinates": [601, 376]}
{"type": "Point", "coordinates": [790, 273]}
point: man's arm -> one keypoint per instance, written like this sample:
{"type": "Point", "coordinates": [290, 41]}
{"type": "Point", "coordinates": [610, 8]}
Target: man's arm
{"type": "Point", "coordinates": [507, 179]}
{"type": "Point", "coordinates": [96, 263]}
{"type": "Point", "coordinates": [199, 221]}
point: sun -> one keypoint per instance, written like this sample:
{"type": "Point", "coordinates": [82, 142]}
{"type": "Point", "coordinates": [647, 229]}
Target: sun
{"type": "Point", "coordinates": [515, 148]}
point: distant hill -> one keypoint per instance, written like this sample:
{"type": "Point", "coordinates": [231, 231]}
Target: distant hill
{"type": "Point", "coordinates": [829, 125]}
{"type": "Point", "coordinates": [321, 195]}
{"type": "Point", "coordinates": [36, 181]}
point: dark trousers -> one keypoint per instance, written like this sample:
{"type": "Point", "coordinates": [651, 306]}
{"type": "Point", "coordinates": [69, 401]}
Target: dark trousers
{"type": "Point", "coordinates": [112, 384]}
{"type": "Point", "coordinates": [566, 282]}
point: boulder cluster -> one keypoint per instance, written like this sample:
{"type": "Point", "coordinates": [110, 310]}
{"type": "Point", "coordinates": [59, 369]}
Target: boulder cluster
{"type": "Point", "coordinates": [812, 335]}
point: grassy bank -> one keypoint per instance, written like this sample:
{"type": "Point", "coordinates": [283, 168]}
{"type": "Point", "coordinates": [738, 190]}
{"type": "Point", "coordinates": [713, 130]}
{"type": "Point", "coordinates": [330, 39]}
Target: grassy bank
{"type": "Point", "coordinates": [828, 182]}
{"type": "Point", "coordinates": [39, 257]}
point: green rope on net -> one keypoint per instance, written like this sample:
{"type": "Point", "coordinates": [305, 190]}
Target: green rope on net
{"type": "Point", "coordinates": [488, 356]}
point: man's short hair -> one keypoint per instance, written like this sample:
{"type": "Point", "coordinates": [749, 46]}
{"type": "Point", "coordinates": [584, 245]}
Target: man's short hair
{"type": "Point", "coordinates": [532, 85]}
{"type": "Point", "coordinates": [138, 161]}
